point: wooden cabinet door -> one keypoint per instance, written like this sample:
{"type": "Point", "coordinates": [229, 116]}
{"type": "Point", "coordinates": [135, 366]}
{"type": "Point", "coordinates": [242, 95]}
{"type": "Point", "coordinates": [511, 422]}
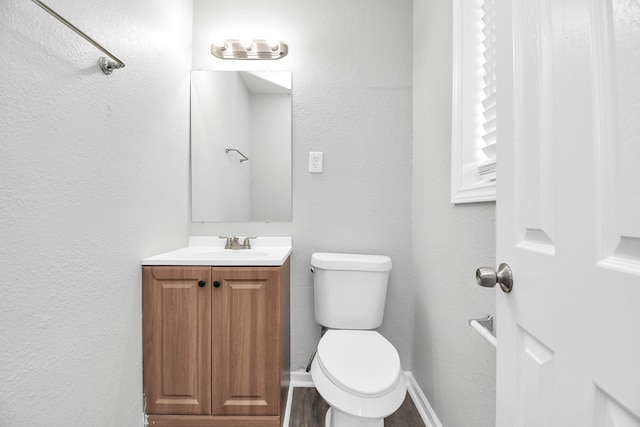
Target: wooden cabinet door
{"type": "Point", "coordinates": [177, 340]}
{"type": "Point", "coordinates": [246, 341]}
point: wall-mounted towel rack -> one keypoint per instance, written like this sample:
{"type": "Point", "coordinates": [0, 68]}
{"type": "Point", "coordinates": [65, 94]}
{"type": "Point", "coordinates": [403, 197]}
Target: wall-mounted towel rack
{"type": "Point", "coordinates": [484, 326]}
{"type": "Point", "coordinates": [106, 66]}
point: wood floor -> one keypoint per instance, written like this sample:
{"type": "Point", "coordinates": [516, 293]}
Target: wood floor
{"type": "Point", "coordinates": [308, 410]}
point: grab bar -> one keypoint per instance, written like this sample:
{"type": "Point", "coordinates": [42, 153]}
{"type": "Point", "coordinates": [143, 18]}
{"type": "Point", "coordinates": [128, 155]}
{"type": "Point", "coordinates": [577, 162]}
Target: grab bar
{"type": "Point", "coordinates": [484, 326]}
{"type": "Point", "coordinates": [106, 66]}
{"type": "Point", "coordinates": [243, 159]}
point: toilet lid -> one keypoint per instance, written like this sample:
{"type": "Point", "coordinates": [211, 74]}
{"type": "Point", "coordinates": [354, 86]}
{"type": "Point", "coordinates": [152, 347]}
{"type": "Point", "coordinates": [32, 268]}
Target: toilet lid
{"type": "Point", "coordinates": [360, 362]}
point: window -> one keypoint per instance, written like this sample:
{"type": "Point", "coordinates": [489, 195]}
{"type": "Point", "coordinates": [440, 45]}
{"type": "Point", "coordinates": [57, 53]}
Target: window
{"type": "Point", "coordinates": [473, 160]}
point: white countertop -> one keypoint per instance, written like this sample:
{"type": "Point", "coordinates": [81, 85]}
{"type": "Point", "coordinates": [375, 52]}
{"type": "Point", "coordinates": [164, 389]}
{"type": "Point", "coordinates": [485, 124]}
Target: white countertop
{"type": "Point", "coordinates": [209, 250]}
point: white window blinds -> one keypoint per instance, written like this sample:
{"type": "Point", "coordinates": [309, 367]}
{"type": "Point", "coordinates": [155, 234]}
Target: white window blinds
{"type": "Point", "coordinates": [473, 119]}
{"type": "Point", "coordinates": [487, 169]}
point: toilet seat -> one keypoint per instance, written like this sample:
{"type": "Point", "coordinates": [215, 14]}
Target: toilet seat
{"type": "Point", "coordinates": [360, 362]}
{"type": "Point", "coordinates": [359, 392]}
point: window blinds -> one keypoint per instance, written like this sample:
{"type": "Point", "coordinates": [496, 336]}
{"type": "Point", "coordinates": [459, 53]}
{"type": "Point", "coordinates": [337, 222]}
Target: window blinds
{"type": "Point", "coordinates": [487, 169]}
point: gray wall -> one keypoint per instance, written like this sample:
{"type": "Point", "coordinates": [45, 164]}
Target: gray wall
{"type": "Point", "coordinates": [352, 71]}
{"type": "Point", "coordinates": [93, 177]}
{"type": "Point", "coordinates": [454, 366]}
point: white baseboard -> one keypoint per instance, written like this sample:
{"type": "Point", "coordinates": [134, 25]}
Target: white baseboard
{"type": "Point", "coordinates": [287, 408]}
{"type": "Point", "coordinates": [303, 379]}
{"type": "Point", "coordinates": [427, 413]}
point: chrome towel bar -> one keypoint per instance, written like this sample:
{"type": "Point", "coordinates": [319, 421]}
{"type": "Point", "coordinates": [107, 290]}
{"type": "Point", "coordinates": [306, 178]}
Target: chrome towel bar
{"type": "Point", "coordinates": [484, 327]}
{"type": "Point", "coordinates": [106, 66]}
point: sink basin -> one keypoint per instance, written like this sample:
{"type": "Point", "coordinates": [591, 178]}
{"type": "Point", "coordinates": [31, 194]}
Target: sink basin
{"type": "Point", "coordinates": [205, 250]}
{"type": "Point", "coordinates": [229, 254]}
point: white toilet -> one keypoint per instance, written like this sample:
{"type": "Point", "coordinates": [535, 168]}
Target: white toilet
{"type": "Point", "coordinates": [356, 370]}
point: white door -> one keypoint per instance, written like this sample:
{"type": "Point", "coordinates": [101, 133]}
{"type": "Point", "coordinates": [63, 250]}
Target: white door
{"type": "Point", "coordinates": [568, 213]}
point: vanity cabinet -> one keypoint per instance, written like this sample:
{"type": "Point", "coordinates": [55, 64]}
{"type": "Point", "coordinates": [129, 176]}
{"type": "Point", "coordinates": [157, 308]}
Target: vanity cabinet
{"type": "Point", "coordinates": [216, 345]}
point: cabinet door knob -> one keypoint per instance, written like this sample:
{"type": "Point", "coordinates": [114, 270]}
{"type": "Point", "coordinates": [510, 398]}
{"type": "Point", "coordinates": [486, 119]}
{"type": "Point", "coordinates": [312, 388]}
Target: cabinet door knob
{"type": "Point", "coordinates": [216, 284]}
{"type": "Point", "coordinates": [202, 283]}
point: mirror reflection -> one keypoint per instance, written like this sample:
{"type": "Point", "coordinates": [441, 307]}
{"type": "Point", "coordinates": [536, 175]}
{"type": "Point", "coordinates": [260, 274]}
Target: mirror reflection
{"type": "Point", "coordinates": [240, 146]}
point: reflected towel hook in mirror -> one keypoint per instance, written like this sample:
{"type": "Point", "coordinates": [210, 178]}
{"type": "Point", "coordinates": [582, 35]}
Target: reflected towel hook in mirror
{"type": "Point", "coordinates": [243, 159]}
{"type": "Point", "coordinates": [106, 66]}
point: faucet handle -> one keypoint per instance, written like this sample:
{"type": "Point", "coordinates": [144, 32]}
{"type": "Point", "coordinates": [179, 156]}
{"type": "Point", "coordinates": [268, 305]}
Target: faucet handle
{"type": "Point", "coordinates": [230, 240]}
{"type": "Point", "coordinates": [246, 244]}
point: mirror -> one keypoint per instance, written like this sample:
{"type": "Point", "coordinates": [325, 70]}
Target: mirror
{"type": "Point", "coordinates": [238, 115]}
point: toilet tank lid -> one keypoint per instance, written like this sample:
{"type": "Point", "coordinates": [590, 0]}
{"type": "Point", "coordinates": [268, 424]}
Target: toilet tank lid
{"type": "Point", "coordinates": [355, 262]}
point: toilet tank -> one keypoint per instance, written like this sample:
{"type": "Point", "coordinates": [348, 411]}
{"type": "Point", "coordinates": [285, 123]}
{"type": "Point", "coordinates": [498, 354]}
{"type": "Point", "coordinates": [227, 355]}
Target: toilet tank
{"type": "Point", "coordinates": [350, 289]}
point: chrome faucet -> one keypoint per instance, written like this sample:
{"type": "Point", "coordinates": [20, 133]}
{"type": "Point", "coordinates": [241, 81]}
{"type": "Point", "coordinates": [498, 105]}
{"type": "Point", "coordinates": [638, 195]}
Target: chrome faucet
{"type": "Point", "coordinates": [246, 244]}
{"type": "Point", "coordinates": [233, 242]}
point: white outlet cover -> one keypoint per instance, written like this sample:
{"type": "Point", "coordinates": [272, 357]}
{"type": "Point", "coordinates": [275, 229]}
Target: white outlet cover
{"type": "Point", "coordinates": [315, 161]}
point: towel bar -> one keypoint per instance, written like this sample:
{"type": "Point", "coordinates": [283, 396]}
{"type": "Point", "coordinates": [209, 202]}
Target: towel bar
{"type": "Point", "coordinates": [106, 66]}
{"type": "Point", "coordinates": [484, 327]}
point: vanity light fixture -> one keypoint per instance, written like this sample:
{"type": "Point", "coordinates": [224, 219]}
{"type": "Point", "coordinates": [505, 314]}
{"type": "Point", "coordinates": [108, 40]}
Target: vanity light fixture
{"type": "Point", "coordinates": [254, 49]}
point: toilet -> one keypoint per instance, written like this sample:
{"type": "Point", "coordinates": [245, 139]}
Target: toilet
{"type": "Point", "coordinates": [355, 369]}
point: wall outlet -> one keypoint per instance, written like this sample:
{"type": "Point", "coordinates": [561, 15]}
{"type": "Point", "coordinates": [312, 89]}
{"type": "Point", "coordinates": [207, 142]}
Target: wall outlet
{"type": "Point", "coordinates": [315, 161]}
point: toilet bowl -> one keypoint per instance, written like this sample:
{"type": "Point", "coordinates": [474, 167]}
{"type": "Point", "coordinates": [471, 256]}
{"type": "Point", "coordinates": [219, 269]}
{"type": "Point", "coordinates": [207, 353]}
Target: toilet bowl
{"type": "Point", "coordinates": [358, 373]}
{"type": "Point", "coordinates": [355, 369]}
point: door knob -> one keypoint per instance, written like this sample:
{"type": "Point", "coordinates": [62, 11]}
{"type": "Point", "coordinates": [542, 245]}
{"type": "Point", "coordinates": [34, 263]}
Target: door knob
{"type": "Point", "coordinates": [488, 277]}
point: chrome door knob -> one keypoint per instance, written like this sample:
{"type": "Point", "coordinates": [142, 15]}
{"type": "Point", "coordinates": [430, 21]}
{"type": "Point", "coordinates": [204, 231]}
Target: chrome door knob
{"type": "Point", "coordinates": [488, 277]}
